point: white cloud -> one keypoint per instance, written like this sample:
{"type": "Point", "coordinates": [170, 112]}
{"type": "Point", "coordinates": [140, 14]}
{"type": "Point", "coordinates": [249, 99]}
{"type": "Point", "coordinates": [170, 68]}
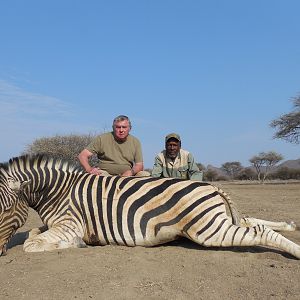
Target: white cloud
{"type": "Point", "coordinates": [25, 116]}
{"type": "Point", "coordinates": [17, 102]}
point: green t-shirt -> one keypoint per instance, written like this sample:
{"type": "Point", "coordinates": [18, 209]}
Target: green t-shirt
{"type": "Point", "coordinates": [116, 157]}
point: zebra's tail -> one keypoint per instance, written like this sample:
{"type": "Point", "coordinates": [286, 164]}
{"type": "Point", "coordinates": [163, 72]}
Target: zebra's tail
{"type": "Point", "coordinates": [251, 222]}
{"type": "Point", "coordinates": [231, 206]}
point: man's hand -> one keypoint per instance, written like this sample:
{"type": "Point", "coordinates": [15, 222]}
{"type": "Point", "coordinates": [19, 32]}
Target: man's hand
{"type": "Point", "coordinates": [95, 171]}
{"type": "Point", "coordinates": [127, 173]}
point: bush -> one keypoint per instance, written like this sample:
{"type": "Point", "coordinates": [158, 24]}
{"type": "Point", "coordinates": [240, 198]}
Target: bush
{"type": "Point", "coordinates": [210, 175]}
{"type": "Point", "coordinates": [65, 147]}
{"type": "Point", "coordinates": [246, 174]}
{"type": "Point", "coordinates": [286, 173]}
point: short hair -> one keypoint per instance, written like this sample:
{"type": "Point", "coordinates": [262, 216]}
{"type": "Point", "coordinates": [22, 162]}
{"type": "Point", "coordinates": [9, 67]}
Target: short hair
{"type": "Point", "coordinates": [121, 118]}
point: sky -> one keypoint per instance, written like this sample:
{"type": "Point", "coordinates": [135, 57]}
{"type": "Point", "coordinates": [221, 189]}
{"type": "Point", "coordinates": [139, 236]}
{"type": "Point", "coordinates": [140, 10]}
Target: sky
{"type": "Point", "coordinates": [216, 72]}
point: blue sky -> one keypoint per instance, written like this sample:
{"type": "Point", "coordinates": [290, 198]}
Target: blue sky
{"type": "Point", "coordinates": [216, 72]}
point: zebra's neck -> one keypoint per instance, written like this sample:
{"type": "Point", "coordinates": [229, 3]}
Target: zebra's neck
{"type": "Point", "coordinates": [49, 182]}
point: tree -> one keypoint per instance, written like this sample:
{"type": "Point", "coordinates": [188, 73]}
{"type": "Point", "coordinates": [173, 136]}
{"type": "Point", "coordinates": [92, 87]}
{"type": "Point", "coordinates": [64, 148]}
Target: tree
{"type": "Point", "coordinates": [232, 168]}
{"type": "Point", "coordinates": [210, 175]}
{"type": "Point", "coordinates": [285, 173]}
{"type": "Point", "coordinates": [200, 166]}
{"type": "Point", "coordinates": [246, 174]}
{"type": "Point", "coordinates": [264, 162]}
{"type": "Point", "coordinates": [288, 125]}
{"type": "Point", "coordinates": [257, 161]}
{"type": "Point", "coordinates": [271, 160]}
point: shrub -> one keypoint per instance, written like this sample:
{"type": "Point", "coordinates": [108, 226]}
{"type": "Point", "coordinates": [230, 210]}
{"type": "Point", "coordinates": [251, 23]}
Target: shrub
{"type": "Point", "coordinates": [66, 147]}
{"type": "Point", "coordinates": [210, 175]}
{"type": "Point", "coordinates": [246, 174]}
{"type": "Point", "coordinates": [285, 173]}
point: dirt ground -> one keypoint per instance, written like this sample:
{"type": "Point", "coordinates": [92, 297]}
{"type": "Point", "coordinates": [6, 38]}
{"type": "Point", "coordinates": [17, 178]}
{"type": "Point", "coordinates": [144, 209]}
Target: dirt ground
{"type": "Point", "coordinates": [178, 270]}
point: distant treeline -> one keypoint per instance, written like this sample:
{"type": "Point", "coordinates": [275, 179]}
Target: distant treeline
{"type": "Point", "coordinates": [69, 146]}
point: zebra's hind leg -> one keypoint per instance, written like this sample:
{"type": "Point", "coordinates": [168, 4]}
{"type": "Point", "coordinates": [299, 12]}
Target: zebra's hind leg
{"type": "Point", "coordinates": [277, 226]}
{"type": "Point", "coordinates": [53, 239]}
{"type": "Point", "coordinates": [36, 231]}
{"type": "Point", "coordinates": [230, 235]}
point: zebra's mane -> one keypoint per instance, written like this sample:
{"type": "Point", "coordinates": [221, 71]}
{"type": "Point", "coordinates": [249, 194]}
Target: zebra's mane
{"type": "Point", "coordinates": [47, 161]}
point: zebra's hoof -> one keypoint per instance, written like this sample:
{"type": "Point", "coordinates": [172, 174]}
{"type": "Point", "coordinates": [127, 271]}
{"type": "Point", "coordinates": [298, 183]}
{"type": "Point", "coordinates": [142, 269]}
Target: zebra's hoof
{"type": "Point", "coordinates": [78, 242]}
{"type": "Point", "coordinates": [292, 226]}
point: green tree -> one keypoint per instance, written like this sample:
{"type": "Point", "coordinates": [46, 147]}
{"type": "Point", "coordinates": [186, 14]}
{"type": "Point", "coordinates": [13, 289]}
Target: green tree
{"type": "Point", "coordinates": [288, 125]}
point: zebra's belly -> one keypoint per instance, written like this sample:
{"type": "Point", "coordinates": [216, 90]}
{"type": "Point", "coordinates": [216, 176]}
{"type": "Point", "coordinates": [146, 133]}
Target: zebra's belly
{"type": "Point", "coordinates": [137, 239]}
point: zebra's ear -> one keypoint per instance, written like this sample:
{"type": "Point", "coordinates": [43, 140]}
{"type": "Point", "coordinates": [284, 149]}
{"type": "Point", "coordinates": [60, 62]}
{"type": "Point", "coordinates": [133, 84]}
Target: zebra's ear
{"type": "Point", "coordinates": [16, 185]}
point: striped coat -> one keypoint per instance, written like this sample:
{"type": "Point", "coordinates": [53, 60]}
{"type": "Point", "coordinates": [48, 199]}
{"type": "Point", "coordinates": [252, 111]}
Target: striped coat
{"type": "Point", "coordinates": [78, 209]}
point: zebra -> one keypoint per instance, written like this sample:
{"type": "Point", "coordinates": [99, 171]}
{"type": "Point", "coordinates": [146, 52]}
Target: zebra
{"type": "Point", "coordinates": [80, 209]}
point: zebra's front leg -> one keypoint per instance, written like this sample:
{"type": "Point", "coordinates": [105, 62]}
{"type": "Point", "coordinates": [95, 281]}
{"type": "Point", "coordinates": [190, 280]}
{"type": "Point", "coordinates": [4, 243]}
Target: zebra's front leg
{"type": "Point", "coordinates": [57, 237]}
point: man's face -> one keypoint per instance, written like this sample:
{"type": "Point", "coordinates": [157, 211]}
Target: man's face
{"type": "Point", "coordinates": [172, 148]}
{"type": "Point", "coordinates": [121, 130]}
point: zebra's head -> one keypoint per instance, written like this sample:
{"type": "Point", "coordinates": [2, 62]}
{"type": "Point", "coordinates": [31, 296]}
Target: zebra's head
{"type": "Point", "coordinates": [13, 207]}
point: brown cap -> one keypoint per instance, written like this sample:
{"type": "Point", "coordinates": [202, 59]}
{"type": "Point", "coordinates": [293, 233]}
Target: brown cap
{"type": "Point", "coordinates": [174, 136]}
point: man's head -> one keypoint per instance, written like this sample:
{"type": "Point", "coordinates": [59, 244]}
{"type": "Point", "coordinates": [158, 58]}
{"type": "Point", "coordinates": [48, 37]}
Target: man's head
{"type": "Point", "coordinates": [173, 145]}
{"type": "Point", "coordinates": [121, 128]}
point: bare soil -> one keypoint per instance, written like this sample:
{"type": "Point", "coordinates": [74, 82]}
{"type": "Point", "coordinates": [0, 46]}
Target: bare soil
{"type": "Point", "coordinates": [178, 270]}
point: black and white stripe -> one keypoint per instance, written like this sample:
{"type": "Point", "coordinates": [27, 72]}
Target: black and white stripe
{"type": "Point", "coordinates": [81, 208]}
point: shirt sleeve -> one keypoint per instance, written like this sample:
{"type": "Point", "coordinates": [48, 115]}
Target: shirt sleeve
{"type": "Point", "coordinates": [194, 172]}
{"type": "Point", "coordinates": [157, 169]}
{"type": "Point", "coordinates": [95, 146]}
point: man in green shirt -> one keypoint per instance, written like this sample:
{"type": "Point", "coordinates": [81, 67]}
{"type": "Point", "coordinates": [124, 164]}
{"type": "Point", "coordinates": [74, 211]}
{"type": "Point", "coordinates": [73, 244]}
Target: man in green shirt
{"type": "Point", "coordinates": [175, 162]}
{"type": "Point", "coordinates": [119, 152]}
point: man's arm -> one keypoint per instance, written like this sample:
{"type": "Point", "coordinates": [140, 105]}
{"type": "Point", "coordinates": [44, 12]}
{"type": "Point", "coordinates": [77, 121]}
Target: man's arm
{"type": "Point", "coordinates": [83, 157]}
{"type": "Point", "coordinates": [194, 172]}
{"type": "Point", "coordinates": [157, 169]}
